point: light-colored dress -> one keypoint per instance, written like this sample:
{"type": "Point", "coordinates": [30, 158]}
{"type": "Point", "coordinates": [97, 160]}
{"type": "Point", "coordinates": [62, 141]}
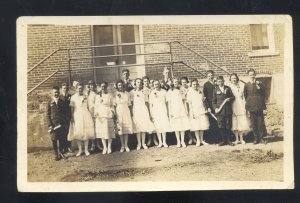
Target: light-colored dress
{"type": "Point", "coordinates": [104, 123]}
{"type": "Point", "coordinates": [91, 96]}
{"type": "Point", "coordinates": [157, 101]}
{"type": "Point", "coordinates": [83, 126]}
{"type": "Point", "coordinates": [184, 92]}
{"type": "Point", "coordinates": [141, 118]}
{"type": "Point", "coordinates": [198, 118]}
{"type": "Point", "coordinates": [239, 117]}
{"type": "Point", "coordinates": [179, 120]}
{"type": "Point", "coordinates": [122, 102]}
{"type": "Point", "coordinates": [147, 92]}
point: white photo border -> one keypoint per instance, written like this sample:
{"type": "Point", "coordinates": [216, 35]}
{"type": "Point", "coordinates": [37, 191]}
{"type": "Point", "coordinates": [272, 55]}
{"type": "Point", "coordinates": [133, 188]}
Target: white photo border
{"type": "Point", "coordinates": [22, 181]}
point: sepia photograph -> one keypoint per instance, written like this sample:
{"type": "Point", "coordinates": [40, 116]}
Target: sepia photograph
{"type": "Point", "coordinates": [154, 103]}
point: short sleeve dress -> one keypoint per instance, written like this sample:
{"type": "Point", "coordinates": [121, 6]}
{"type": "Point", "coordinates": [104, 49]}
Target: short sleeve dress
{"type": "Point", "coordinates": [177, 112]}
{"type": "Point", "coordinates": [239, 118]}
{"type": "Point", "coordinates": [122, 102]}
{"type": "Point", "coordinates": [83, 126]}
{"type": "Point", "coordinates": [104, 123]}
{"type": "Point", "coordinates": [198, 118]}
{"type": "Point", "coordinates": [140, 112]}
{"type": "Point", "coordinates": [157, 101]}
{"type": "Point", "coordinates": [91, 101]}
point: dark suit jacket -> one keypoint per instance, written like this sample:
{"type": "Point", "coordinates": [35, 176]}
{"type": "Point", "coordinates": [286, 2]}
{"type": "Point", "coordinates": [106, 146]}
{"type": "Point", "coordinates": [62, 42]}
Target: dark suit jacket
{"type": "Point", "coordinates": [128, 86]}
{"type": "Point", "coordinates": [54, 113]}
{"type": "Point", "coordinates": [219, 97]}
{"type": "Point", "coordinates": [164, 85]}
{"type": "Point", "coordinates": [255, 98]}
{"type": "Point", "coordinates": [66, 109]}
{"type": "Point", "coordinates": [208, 90]}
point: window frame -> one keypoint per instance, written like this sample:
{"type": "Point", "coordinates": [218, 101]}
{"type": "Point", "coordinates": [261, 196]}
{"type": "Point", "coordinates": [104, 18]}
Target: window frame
{"type": "Point", "coordinates": [271, 51]}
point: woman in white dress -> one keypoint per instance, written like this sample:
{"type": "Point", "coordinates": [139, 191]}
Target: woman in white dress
{"type": "Point", "coordinates": [240, 123]}
{"type": "Point", "coordinates": [197, 112]}
{"type": "Point", "coordinates": [184, 88]}
{"type": "Point", "coordinates": [159, 114]}
{"type": "Point", "coordinates": [179, 120]}
{"type": "Point", "coordinates": [123, 109]}
{"type": "Point", "coordinates": [91, 95]}
{"type": "Point", "coordinates": [147, 90]}
{"type": "Point", "coordinates": [104, 114]}
{"type": "Point", "coordinates": [140, 111]}
{"type": "Point", "coordinates": [82, 124]}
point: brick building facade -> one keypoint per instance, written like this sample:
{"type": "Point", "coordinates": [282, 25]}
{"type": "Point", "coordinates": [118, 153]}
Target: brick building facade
{"type": "Point", "coordinates": [232, 47]}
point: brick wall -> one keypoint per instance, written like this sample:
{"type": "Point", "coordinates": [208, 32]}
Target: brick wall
{"type": "Point", "coordinates": [226, 45]}
{"type": "Point", "coordinates": [44, 39]}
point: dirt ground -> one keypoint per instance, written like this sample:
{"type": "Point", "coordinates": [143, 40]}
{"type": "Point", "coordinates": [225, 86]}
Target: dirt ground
{"type": "Point", "coordinates": [206, 163]}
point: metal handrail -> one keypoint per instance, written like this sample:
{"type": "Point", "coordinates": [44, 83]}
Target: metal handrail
{"type": "Point", "coordinates": [44, 59]}
{"type": "Point", "coordinates": [202, 56]}
{"type": "Point", "coordinates": [116, 45]}
{"type": "Point", "coordinates": [42, 82]}
{"type": "Point", "coordinates": [127, 65]}
{"type": "Point", "coordinates": [107, 56]}
{"type": "Point", "coordinates": [87, 47]}
{"type": "Point", "coordinates": [182, 62]}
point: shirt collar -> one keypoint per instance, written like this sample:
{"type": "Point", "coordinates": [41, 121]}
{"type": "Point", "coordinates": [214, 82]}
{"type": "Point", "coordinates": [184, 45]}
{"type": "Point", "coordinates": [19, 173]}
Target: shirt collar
{"type": "Point", "coordinates": [54, 100]}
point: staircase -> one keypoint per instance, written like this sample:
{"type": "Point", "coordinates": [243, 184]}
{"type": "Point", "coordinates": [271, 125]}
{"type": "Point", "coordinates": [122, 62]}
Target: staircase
{"type": "Point", "coordinates": [182, 59]}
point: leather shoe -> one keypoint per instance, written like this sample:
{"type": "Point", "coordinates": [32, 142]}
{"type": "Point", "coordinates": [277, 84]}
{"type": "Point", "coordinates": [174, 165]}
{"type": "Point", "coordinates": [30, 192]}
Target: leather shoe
{"type": "Point", "coordinates": [57, 157]}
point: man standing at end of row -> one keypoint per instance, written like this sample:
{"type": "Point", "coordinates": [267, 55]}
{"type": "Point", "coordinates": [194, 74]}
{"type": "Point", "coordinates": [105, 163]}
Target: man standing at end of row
{"type": "Point", "coordinates": [255, 105]}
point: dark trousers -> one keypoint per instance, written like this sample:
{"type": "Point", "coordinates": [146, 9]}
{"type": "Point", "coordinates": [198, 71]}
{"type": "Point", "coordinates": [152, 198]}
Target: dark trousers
{"type": "Point", "coordinates": [258, 126]}
{"type": "Point", "coordinates": [212, 135]}
{"type": "Point", "coordinates": [225, 135]}
{"type": "Point", "coordinates": [57, 141]}
{"type": "Point", "coordinates": [66, 144]}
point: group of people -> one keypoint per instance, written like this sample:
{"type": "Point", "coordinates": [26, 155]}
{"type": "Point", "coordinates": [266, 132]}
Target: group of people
{"type": "Point", "coordinates": [153, 109]}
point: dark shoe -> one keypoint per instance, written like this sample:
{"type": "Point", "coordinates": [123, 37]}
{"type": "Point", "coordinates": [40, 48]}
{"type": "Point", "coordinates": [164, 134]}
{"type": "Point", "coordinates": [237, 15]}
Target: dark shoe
{"type": "Point", "coordinates": [223, 143]}
{"type": "Point", "coordinates": [255, 142]}
{"type": "Point", "coordinates": [231, 143]}
{"type": "Point", "coordinates": [57, 157]}
{"type": "Point", "coordinates": [62, 156]}
{"type": "Point", "coordinates": [263, 141]}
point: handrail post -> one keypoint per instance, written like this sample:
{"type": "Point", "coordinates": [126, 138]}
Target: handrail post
{"type": "Point", "coordinates": [69, 68]}
{"type": "Point", "coordinates": [171, 59]}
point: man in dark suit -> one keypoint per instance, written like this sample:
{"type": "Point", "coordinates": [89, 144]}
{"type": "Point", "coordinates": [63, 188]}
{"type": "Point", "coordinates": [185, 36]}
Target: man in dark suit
{"type": "Point", "coordinates": [254, 93]}
{"type": "Point", "coordinates": [66, 116]}
{"type": "Point", "coordinates": [208, 90]}
{"type": "Point", "coordinates": [55, 122]}
{"type": "Point", "coordinates": [221, 102]}
{"type": "Point", "coordinates": [166, 81]}
{"type": "Point", "coordinates": [127, 82]}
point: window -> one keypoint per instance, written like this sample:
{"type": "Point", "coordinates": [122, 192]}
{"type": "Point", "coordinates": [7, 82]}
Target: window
{"type": "Point", "coordinates": [259, 37]}
{"type": "Point", "coordinates": [262, 40]}
{"type": "Point", "coordinates": [117, 34]}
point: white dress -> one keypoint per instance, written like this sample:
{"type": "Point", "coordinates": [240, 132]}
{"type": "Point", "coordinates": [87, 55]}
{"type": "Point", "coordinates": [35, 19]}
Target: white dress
{"type": "Point", "coordinates": [239, 117]}
{"type": "Point", "coordinates": [198, 118]}
{"type": "Point", "coordinates": [91, 101]}
{"type": "Point", "coordinates": [147, 92]}
{"type": "Point", "coordinates": [157, 100]}
{"type": "Point", "coordinates": [91, 104]}
{"type": "Point", "coordinates": [141, 118]}
{"type": "Point", "coordinates": [122, 102]}
{"type": "Point", "coordinates": [177, 112]}
{"type": "Point", "coordinates": [104, 123]}
{"type": "Point", "coordinates": [83, 126]}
